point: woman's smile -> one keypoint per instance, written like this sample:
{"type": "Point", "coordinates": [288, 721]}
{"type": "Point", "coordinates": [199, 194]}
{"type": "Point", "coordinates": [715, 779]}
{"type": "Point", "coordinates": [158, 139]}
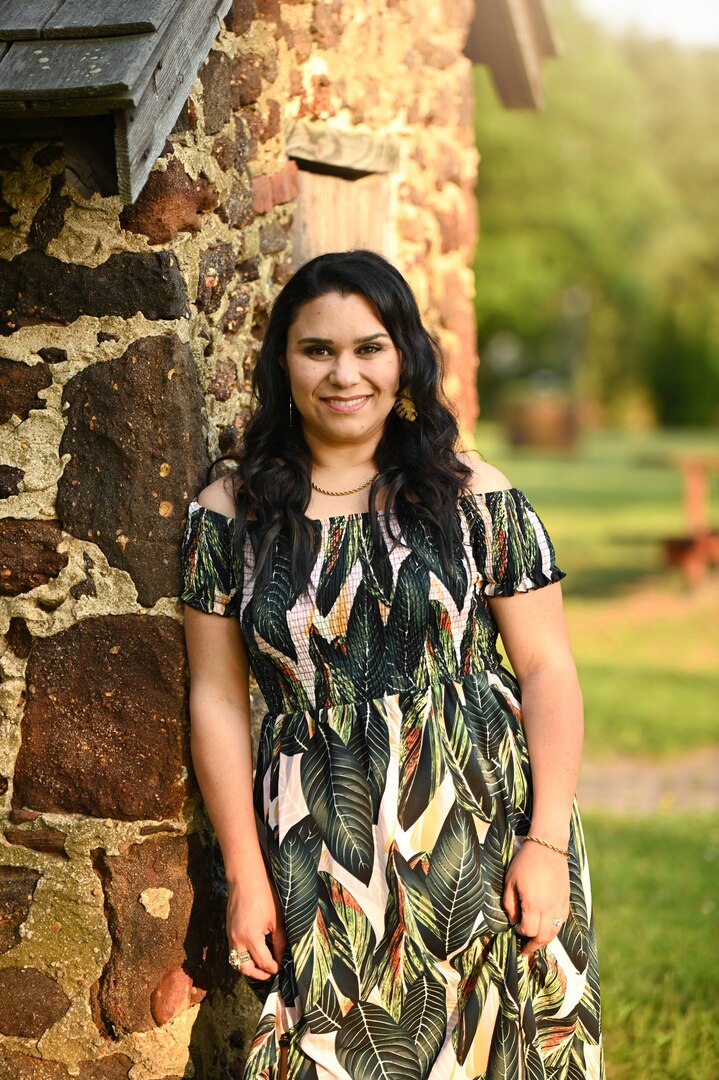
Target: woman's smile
{"type": "Point", "coordinates": [346, 405]}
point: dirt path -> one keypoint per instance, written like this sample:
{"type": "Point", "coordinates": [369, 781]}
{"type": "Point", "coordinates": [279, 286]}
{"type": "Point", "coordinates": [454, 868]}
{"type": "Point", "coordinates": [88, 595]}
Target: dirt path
{"type": "Point", "coordinates": [636, 786]}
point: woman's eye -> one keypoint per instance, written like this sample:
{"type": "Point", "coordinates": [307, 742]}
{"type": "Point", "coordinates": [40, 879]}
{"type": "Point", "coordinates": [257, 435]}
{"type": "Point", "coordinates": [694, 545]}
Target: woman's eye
{"type": "Point", "coordinates": [370, 349]}
{"type": "Point", "coordinates": [317, 350]}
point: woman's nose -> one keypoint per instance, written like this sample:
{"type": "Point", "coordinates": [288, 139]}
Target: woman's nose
{"type": "Point", "coordinates": [345, 370]}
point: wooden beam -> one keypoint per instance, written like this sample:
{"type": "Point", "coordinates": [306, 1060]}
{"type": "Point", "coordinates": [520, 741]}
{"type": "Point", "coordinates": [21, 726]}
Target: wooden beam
{"type": "Point", "coordinates": [140, 132]}
{"type": "Point", "coordinates": [511, 37]}
{"type": "Point", "coordinates": [357, 152]}
{"type": "Point", "coordinates": [546, 38]}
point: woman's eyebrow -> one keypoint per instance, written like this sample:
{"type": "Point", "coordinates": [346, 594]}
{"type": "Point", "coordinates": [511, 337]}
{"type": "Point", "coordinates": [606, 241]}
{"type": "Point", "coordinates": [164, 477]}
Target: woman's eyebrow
{"type": "Point", "coordinates": [328, 341]}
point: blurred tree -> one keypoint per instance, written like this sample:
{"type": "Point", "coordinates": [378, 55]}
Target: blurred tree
{"type": "Point", "coordinates": [613, 190]}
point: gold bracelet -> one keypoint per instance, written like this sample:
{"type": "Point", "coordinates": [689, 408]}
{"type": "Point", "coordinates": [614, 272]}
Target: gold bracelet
{"type": "Point", "coordinates": [545, 843]}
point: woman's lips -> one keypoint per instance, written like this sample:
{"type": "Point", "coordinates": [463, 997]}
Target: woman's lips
{"type": "Point", "coordinates": [346, 405]}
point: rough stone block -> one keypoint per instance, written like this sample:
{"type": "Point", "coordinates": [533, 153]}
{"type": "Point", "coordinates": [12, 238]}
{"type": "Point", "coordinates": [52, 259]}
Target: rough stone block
{"type": "Point", "coordinates": [104, 732]}
{"type": "Point", "coordinates": [19, 638]}
{"type": "Point", "coordinates": [137, 457]}
{"type": "Point", "coordinates": [170, 202]}
{"type": "Point", "coordinates": [28, 555]}
{"type": "Point", "coordinates": [15, 1065]}
{"type": "Point", "coordinates": [245, 79]}
{"type": "Point", "coordinates": [273, 238]}
{"type": "Point", "coordinates": [49, 840]}
{"type": "Point", "coordinates": [216, 266]}
{"type": "Point", "coordinates": [36, 288]}
{"type": "Point", "coordinates": [110, 1067]}
{"type": "Point", "coordinates": [157, 949]}
{"type": "Point", "coordinates": [10, 478]}
{"type": "Point", "coordinates": [50, 215]}
{"type": "Point", "coordinates": [216, 91]}
{"type": "Point", "coordinates": [19, 386]}
{"type": "Point", "coordinates": [30, 1002]}
{"type": "Point", "coordinates": [237, 209]}
{"type": "Point", "coordinates": [272, 121]}
{"type": "Point", "coordinates": [249, 270]}
{"type": "Point", "coordinates": [224, 381]}
{"type": "Point", "coordinates": [17, 888]}
{"type": "Point", "coordinates": [236, 315]}
{"type": "Point", "coordinates": [57, 356]}
{"type": "Point", "coordinates": [241, 15]}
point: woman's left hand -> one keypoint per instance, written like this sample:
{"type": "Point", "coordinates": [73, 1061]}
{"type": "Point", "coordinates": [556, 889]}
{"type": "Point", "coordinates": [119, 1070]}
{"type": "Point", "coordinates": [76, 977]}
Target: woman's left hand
{"type": "Point", "coordinates": [536, 893]}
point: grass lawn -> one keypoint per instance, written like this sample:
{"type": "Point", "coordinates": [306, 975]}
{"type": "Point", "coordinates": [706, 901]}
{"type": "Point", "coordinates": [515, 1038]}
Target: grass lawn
{"type": "Point", "coordinates": [645, 643]}
{"type": "Point", "coordinates": [657, 918]}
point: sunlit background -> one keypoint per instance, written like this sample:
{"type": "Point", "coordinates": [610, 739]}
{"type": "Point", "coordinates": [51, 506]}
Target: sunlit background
{"type": "Point", "coordinates": [598, 318]}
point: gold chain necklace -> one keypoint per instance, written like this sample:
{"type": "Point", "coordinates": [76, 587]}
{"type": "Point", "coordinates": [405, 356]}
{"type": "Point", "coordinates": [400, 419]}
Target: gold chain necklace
{"type": "Point", "coordinates": [351, 491]}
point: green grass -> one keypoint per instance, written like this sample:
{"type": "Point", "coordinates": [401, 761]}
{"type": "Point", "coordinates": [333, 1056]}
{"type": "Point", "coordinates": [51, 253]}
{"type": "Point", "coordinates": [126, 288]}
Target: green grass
{"type": "Point", "coordinates": [645, 643]}
{"type": "Point", "coordinates": [657, 918]}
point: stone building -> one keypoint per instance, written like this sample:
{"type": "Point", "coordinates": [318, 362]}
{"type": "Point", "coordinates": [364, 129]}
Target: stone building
{"type": "Point", "coordinates": [147, 219]}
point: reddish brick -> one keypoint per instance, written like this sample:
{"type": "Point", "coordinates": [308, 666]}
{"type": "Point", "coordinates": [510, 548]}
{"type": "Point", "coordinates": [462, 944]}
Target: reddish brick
{"type": "Point", "coordinates": [285, 184]}
{"type": "Point", "coordinates": [262, 194]}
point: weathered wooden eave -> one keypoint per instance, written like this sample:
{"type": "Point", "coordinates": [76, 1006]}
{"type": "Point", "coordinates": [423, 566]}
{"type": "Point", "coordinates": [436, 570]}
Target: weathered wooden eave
{"type": "Point", "coordinates": [513, 37]}
{"type": "Point", "coordinates": [131, 62]}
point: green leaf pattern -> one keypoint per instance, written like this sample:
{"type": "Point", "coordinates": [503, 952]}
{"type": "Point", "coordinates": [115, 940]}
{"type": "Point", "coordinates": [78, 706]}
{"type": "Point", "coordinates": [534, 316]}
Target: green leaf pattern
{"type": "Point", "coordinates": [394, 787]}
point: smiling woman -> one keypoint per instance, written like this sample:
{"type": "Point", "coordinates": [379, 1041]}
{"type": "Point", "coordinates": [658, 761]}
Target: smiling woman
{"type": "Point", "coordinates": [409, 892]}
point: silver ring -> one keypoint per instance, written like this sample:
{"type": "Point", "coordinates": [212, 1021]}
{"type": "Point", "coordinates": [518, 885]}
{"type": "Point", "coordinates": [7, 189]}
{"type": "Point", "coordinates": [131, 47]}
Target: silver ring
{"type": "Point", "coordinates": [238, 957]}
{"type": "Point", "coordinates": [558, 922]}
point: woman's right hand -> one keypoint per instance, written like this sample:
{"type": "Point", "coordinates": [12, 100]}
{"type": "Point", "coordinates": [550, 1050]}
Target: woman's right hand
{"type": "Point", "coordinates": [253, 913]}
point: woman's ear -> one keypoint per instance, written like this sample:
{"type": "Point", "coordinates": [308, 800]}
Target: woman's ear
{"type": "Point", "coordinates": [282, 361]}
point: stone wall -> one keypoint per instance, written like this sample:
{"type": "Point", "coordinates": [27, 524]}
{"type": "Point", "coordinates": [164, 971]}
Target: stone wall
{"type": "Point", "coordinates": [127, 336]}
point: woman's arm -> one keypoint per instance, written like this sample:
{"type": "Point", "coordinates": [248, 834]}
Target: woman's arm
{"type": "Point", "coordinates": [535, 638]}
{"type": "Point", "coordinates": [222, 758]}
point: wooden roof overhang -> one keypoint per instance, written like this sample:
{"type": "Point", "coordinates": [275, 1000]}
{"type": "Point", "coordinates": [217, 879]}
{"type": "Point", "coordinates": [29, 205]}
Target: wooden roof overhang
{"type": "Point", "coordinates": [512, 37]}
{"type": "Point", "coordinates": [108, 76]}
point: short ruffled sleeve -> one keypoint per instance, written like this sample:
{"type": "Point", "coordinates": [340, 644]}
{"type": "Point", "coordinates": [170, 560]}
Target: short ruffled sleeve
{"type": "Point", "coordinates": [512, 547]}
{"type": "Point", "coordinates": [211, 571]}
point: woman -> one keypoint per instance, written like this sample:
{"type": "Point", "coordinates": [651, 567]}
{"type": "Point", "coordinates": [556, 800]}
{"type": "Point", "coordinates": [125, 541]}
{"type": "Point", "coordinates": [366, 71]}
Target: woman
{"type": "Point", "coordinates": [411, 898]}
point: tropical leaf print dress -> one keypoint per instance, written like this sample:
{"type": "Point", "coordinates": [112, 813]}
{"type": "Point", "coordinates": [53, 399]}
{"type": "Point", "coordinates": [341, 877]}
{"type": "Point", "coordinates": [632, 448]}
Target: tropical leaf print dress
{"type": "Point", "coordinates": [392, 789]}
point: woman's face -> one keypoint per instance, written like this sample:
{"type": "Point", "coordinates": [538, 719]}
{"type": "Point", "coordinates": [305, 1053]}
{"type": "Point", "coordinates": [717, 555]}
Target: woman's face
{"type": "Point", "coordinates": [343, 369]}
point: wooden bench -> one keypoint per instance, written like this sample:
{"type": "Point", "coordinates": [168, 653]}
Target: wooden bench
{"type": "Point", "coordinates": [698, 550]}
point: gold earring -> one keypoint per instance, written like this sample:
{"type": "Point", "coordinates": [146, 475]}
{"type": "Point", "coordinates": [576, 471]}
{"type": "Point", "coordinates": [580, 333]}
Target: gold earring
{"type": "Point", "coordinates": [405, 407]}
{"type": "Point", "coordinates": [290, 410]}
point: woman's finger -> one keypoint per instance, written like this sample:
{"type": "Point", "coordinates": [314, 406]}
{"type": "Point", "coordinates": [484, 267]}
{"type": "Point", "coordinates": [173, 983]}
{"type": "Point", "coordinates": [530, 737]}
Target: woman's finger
{"type": "Point", "coordinates": [510, 902]}
{"type": "Point", "coordinates": [263, 957]}
{"type": "Point", "coordinates": [545, 933]}
{"type": "Point", "coordinates": [528, 925]}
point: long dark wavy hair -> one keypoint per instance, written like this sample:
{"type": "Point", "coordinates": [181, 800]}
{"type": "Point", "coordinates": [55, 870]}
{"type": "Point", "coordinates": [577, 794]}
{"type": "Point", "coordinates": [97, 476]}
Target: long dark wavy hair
{"type": "Point", "coordinates": [418, 472]}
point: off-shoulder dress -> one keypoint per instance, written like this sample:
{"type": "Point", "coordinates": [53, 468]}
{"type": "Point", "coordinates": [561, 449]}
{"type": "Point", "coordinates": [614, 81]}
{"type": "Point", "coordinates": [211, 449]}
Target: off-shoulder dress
{"type": "Point", "coordinates": [392, 788]}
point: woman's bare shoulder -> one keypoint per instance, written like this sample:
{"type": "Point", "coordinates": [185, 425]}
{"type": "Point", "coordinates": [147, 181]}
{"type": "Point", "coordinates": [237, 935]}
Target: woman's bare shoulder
{"type": "Point", "coordinates": [486, 477]}
{"type": "Point", "coordinates": [219, 496]}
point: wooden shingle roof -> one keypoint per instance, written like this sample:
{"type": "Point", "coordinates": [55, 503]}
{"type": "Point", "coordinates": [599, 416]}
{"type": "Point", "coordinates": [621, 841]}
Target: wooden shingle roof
{"type": "Point", "coordinates": [131, 61]}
